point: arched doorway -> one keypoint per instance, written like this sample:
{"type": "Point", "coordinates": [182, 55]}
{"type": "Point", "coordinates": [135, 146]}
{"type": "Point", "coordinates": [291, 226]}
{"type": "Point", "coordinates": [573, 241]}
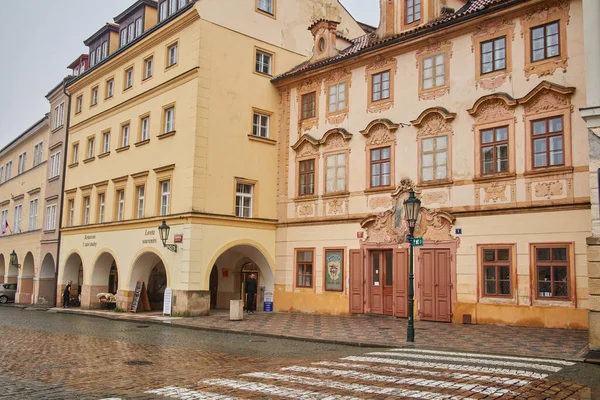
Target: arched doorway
{"type": "Point", "coordinates": [105, 279]}
{"type": "Point", "coordinates": [214, 286]}
{"type": "Point", "coordinates": [72, 272]}
{"type": "Point", "coordinates": [25, 281]}
{"type": "Point", "coordinates": [46, 281]}
{"type": "Point", "coordinates": [233, 267]}
{"type": "Point", "coordinates": [2, 268]}
{"type": "Point", "coordinates": [150, 269]}
{"type": "Point", "coordinates": [11, 272]}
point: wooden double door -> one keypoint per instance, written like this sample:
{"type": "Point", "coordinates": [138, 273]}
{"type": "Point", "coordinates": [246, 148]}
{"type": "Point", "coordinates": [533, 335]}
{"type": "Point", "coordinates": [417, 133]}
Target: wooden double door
{"type": "Point", "coordinates": [435, 285]}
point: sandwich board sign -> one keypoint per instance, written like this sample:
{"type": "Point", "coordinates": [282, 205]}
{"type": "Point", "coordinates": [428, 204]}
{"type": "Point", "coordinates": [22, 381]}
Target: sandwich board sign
{"type": "Point", "coordinates": [167, 302]}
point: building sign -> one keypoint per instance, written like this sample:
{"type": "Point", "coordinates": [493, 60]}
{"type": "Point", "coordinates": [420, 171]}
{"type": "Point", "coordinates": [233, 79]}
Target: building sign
{"type": "Point", "coordinates": [148, 237]}
{"type": "Point", "coordinates": [167, 301]}
{"type": "Point", "coordinates": [334, 270]}
{"type": "Point", "coordinates": [268, 302]}
{"type": "Point", "coordinates": [178, 239]}
{"type": "Point", "coordinates": [417, 241]}
{"type": "Point", "coordinates": [89, 241]}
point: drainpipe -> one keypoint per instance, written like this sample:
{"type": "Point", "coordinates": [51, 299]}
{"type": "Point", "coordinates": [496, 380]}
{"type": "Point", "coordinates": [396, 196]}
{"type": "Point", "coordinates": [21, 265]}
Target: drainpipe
{"type": "Point", "coordinates": [62, 189]}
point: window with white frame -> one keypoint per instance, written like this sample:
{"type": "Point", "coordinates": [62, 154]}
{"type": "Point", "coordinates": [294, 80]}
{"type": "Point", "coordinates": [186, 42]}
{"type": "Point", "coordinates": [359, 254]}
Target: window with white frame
{"type": "Point", "coordinates": [243, 200]}
{"type": "Point", "coordinates": [164, 7]}
{"type": "Point", "coordinates": [434, 158]}
{"type": "Point", "coordinates": [337, 97]}
{"type": "Point", "coordinates": [335, 174]}
{"type": "Point", "coordinates": [59, 115]}
{"type": "Point", "coordinates": [75, 153]}
{"type": "Point", "coordinates": [145, 129]}
{"type": "Point", "coordinates": [110, 88]}
{"type": "Point", "coordinates": [165, 198]}
{"type": "Point", "coordinates": [86, 210]}
{"type": "Point", "coordinates": [79, 104]}
{"type": "Point", "coordinates": [1, 176]}
{"type": "Point", "coordinates": [123, 37]}
{"type": "Point", "coordinates": [434, 71]}
{"type": "Point", "coordinates": [141, 191]}
{"type": "Point", "coordinates": [55, 165]}
{"type": "Point", "coordinates": [98, 54]}
{"type": "Point", "coordinates": [104, 50]}
{"type": "Point", "coordinates": [51, 217]}
{"type": "Point", "coordinates": [101, 200]}
{"type": "Point", "coordinates": [261, 125]}
{"type": "Point", "coordinates": [169, 119]}
{"type": "Point", "coordinates": [38, 153]}
{"type": "Point", "coordinates": [130, 32]}
{"type": "Point", "coordinates": [263, 62]}
{"type": "Point", "coordinates": [148, 64]}
{"type": "Point", "coordinates": [22, 163]}
{"type": "Point", "coordinates": [120, 204]}
{"type": "Point", "coordinates": [266, 6]}
{"type": "Point", "coordinates": [172, 7]}
{"type": "Point", "coordinates": [106, 142]}
{"type": "Point", "coordinates": [138, 27]}
{"type": "Point", "coordinates": [125, 136]}
{"type": "Point", "coordinates": [172, 53]}
{"type": "Point", "coordinates": [33, 211]}
{"type": "Point", "coordinates": [92, 58]}
{"type": "Point", "coordinates": [8, 172]}
{"type": "Point", "coordinates": [90, 152]}
{"type": "Point", "coordinates": [18, 215]}
{"type": "Point", "coordinates": [95, 96]}
{"type": "Point", "coordinates": [4, 222]}
{"type": "Point", "coordinates": [129, 78]}
{"type": "Point", "coordinates": [71, 212]}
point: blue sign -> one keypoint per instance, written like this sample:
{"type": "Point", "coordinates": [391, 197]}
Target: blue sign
{"type": "Point", "coordinates": [268, 306]}
{"type": "Point", "coordinates": [459, 231]}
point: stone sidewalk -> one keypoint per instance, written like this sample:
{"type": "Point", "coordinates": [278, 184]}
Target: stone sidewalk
{"type": "Point", "coordinates": [380, 331]}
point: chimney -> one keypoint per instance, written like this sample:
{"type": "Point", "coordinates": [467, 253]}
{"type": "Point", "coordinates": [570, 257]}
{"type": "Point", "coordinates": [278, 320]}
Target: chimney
{"type": "Point", "coordinates": [325, 39]}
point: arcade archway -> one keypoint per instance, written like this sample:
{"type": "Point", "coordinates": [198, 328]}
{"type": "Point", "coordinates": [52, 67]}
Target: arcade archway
{"type": "Point", "coordinates": [2, 268]}
{"type": "Point", "coordinates": [72, 272]}
{"type": "Point", "coordinates": [46, 281]}
{"type": "Point", "coordinates": [150, 269]}
{"type": "Point", "coordinates": [105, 279]}
{"type": "Point", "coordinates": [25, 282]}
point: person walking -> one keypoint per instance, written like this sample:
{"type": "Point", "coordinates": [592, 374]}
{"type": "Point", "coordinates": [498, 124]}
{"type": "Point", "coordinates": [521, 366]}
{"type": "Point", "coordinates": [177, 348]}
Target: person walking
{"type": "Point", "coordinates": [67, 295]}
{"type": "Point", "coordinates": [250, 290]}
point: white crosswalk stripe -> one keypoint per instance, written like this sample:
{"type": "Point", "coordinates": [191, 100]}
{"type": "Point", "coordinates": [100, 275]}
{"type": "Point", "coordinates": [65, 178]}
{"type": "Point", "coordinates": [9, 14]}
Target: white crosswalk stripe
{"type": "Point", "coordinates": [188, 394]}
{"type": "Point", "coordinates": [541, 367]}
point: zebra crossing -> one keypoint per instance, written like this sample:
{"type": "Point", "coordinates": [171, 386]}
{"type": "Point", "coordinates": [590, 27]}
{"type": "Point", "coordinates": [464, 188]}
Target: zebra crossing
{"type": "Point", "coordinates": [394, 373]}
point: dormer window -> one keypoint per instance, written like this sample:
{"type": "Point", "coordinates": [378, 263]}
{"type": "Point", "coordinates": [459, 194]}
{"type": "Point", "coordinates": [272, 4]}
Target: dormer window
{"type": "Point", "coordinates": [104, 50]}
{"type": "Point", "coordinates": [266, 6]}
{"type": "Point", "coordinates": [138, 27]}
{"type": "Point", "coordinates": [170, 7]}
{"type": "Point", "coordinates": [412, 11]}
{"type": "Point", "coordinates": [93, 58]}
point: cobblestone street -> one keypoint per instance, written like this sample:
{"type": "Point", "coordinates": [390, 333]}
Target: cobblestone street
{"type": "Point", "coordinates": [48, 355]}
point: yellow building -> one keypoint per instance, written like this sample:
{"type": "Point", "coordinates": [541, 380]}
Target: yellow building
{"type": "Point", "coordinates": [475, 106]}
{"type": "Point", "coordinates": [175, 121]}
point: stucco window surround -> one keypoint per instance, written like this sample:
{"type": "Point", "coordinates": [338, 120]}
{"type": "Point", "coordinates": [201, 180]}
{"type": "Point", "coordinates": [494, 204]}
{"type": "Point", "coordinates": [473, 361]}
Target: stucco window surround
{"type": "Point", "coordinates": [432, 50]}
{"type": "Point", "coordinates": [90, 149]}
{"type": "Point", "coordinates": [254, 197]}
{"type": "Point", "coordinates": [499, 261]}
{"type": "Point", "coordinates": [254, 128]}
{"type": "Point", "coordinates": [552, 11]}
{"type": "Point", "coordinates": [171, 62]}
{"type": "Point", "coordinates": [304, 269]}
{"type": "Point", "coordinates": [491, 31]}
{"type": "Point", "coordinates": [70, 197]}
{"type": "Point", "coordinates": [307, 149]}
{"type": "Point", "coordinates": [545, 101]}
{"type": "Point", "coordinates": [558, 260]}
{"type": "Point", "coordinates": [143, 131]}
{"type": "Point", "coordinates": [163, 174]}
{"type": "Point", "coordinates": [435, 123]}
{"type": "Point", "coordinates": [109, 90]}
{"type": "Point", "coordinates": [380, 133]}
{"type": "Point", "coordinates": [492, 112]}
{"type": "Point", "coordinates": [100, 207]}
{"type": "Point", "coordinates": [265, 12]}
{"type": "Point", "coordinates": [148, 67]}
{"type": "Point", "coordinates": [128, 77]}
{"type": "Point", "coordinates": [86, 193]}
{"type": "Point", "coordinates": [306, 87]}
{"type": "Point", "coordinates": [335, 142]}
{"type": "Point", "coordinates": [169, 112]}
{"type": "Point", "coordinates": [140, 179]}
{"type": "Point", "coordinates": [120, 201]}
{"type": "Point", "coordinates": [378, 66]}
{"type": "Point", "coordinates": [78, 104]}
{"type": "Point", "coordinates": [75, 148]}
{"type": "Point", "coordinates": [104, 150]}
{"type": "Point", "coordinates": [271, 58]}
{"type": "Point", "coordinates": [94, 95]}
{"type": "Point", "coordinates": [332, 83]}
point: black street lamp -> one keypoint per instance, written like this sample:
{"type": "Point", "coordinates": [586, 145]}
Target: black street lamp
{"type": "Point", "coordinates": [412, 205]}
{"type": "Point", "coordinates": [164, 231]}
{"type": "Point", "coordinates": [14, 260]}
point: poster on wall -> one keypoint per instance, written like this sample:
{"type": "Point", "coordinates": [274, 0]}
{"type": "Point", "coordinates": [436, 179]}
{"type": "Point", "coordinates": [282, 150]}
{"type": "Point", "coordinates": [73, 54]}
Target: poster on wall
{"type": "Point", "coordinates": [334, 270]}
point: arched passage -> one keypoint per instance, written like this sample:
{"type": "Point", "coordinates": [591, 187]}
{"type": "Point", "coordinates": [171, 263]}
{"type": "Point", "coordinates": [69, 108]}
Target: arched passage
{"type": "Point", "coordinates": [11, 272]}
{"type": "Point", "coordinates": [46, 281]}
{"type": "Point", "coordinates": [150, 269]}
{"type": "Point", "coordinates": [105, 279]}
{"type": "Point", "coordinates": [233, 266]}
{"type": "Point", "coordinates": [25, 281]}
{"type": "Point", "coordinates": [72, 272]}
{"type": "Point", "coordinates": [2, 268]}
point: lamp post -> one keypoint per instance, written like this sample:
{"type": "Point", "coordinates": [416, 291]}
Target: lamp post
{"type": "Point", "coordinates": [164, 231]}
{"type": "Point", "coordinates": [412, 205]}
{"type": "Point", "coordinates": [14, 260]}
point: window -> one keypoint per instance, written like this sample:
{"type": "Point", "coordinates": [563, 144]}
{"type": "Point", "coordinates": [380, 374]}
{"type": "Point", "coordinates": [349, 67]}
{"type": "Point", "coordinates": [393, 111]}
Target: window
{"type": "Point", "coordinates": [22, 163]}
{"type": "Point", "coordinates": [71, 212]}
{"type": "Point", "coordinates": [380, 89]}
{"type": "Point", "coordinates": [1, 177]}
{"type": "Point", "coordinates": [263, 62]}
{"type": "Point", "coordinates": [98, 54]}
{"type": "Point", "coordinates": [145, 129]}
{"type": "Point", "coordinates": [172, 7]}
{"type": "Point", "coordinates": [337, 97]}
{"type": "Point", "coordinates": [106, 143]}
{"type": "Point", "coordinates": [335, 174]}
{"type": "Point", "coordinates": [243, 200]}
{"type": "Point", "coordinates": [434, 71]}
{"type": "Point", "coordinates": [95, 96]}
{"type": "Point", "coordinates": [38, 153]}
{"type": "Point", "coordinates": [129, 78]}
{"type": "Point", "coordinates": [123, 37]}
{"type": "Point", "coordinates": [90, 153]}
{"type": "Point", "coordinates": [86, 210]}
{"type": "Point", "coordinates": [306, 177]}
{"type": "Point", "coordinates": [169, 119]}
{"type": "Point", "coordinates": [496, 271]}
{"type": "Point", "coordinates": [261, 125]}
{"type": "Point", "coordinates": [309, 105]}
{"type": "Point", "coordinates": [493, 55]}
{"type": "Point", "coordinates": [552, 271]}
{"type": "Point", "coordinates": [110, 85]}
{"type": "Point", "coordinates": [18, 215]}
{"type": "Point", "coordinates": [172, 52]}
{"type": "Point", "coordinates": [3, 222]}
{"type": "Point", "coordinates": [130, 33]}
{"type": "Point", "coordinates": [75, 153]}
{"type": "Point", "coordinates": [381, 167]}
{"type": "Point", "coordinates": [548, 142]}
{"type": "Point", "coordinates": [266, 6]}
{"type": "Point", "coordinates": [494, 150]}
{"type": "Point", "coordinates": [51, 217]}
{"type": "Point", "coordinates": [101, 200]}
{"type": "Point", "coordinates": [104, 50]}
{"type": "Point", "coordinates": [59, 115]}
{"type": "Point", "coordinates": [413, 11]}
{"type": "Point", "coordinates": [182, 3]}
{"type": "Point", "coordinates": [92, 58]}
{"type": "Point", "coordinates": [545, 41]}
{"type": "Point", "coordinates": [8, 173]}
{"type": "Point", "coordinates": [304, 268]}
{"type": "Point", "coordinates": [138, 27]}
{"type": "Point", "coordinates": [164, 6]}
{"type": "Point", "coordinates": [434, 158]}
{"type": "Point", "coordinates": [33, 210]}
{"type": "Point", "coordinates": [125, 136]}
{"type": "Point", "coordinates": [55, 165]}
{"type": "Point", "coordinates": [79, 104]}
{"type": "Point", "coordinates": [148, 67]}
{"type": "Point", "coordinates": [140, 201]}
{"type": "Point", "coordinates": [165, 198]}
{"type": "Point", "coordinates": [120, 204]}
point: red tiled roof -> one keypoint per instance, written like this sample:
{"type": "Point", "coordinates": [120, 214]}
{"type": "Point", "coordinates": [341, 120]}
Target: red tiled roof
{"type": "Point", "coordinates": [365, 42]}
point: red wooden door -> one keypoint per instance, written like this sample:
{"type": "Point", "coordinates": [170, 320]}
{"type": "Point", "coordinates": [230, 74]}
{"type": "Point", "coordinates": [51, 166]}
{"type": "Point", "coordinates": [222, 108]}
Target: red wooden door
{"type": "Point", "coordinates": [387, 259]}
{"type": "Point", "coordinates": [443, 285]}
{"type": "Point", "coordinates": [356, 282]}
{"type": "Point", "coordinates": [401, 283]}
{"type": "Point", "coordinates": [426, 282]}
{"type": "Point", "coordinates": [376, 282]}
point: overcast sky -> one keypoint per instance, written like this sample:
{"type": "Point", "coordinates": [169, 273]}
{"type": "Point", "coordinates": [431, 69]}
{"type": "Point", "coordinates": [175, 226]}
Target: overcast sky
{"type": "Point", "coordinates": [39, 38]}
